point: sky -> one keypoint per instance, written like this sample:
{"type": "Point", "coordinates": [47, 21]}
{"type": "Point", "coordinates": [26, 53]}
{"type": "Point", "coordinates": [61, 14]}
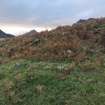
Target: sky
{"type": "Point", "coordinates": [20, 16]}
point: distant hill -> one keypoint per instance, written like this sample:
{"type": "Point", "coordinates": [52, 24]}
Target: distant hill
{"type": "Point", "coordinates": [30, 33]}
{"type": "Point", "coordinates": [5, 35]}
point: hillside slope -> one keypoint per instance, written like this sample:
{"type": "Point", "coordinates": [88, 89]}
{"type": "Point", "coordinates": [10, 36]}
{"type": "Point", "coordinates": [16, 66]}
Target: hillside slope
{"type": "Point", "coordinates": [65, 42]}
{"type": "Point", "coordinates": [64, 66]}
{"type": "Point", "coordinates": [5, 35]}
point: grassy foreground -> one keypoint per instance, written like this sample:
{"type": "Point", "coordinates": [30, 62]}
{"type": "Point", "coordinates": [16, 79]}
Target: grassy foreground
{"type": "Point", "coordinates": [28, 82]}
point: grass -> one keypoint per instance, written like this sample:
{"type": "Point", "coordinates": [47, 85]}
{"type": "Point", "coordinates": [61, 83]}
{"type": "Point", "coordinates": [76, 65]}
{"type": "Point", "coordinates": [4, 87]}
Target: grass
{"type": "Point", "coordinates": [100, 26]}
{"type": "Point", "coordinates": [30, 82]}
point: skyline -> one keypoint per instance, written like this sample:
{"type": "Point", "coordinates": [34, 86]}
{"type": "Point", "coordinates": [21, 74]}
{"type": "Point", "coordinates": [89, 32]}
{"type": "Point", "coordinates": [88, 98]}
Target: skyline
{"type": "Point", "coordinates": [19, 16]}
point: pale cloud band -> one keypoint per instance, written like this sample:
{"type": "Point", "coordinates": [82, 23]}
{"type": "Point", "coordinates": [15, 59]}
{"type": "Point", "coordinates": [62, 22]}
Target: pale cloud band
{"type": "Point", "coordinates": [47, 13]}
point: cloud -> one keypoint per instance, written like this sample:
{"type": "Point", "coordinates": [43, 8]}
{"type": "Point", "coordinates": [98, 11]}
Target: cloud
{"type": "Point", "coordinates": [41, 13]}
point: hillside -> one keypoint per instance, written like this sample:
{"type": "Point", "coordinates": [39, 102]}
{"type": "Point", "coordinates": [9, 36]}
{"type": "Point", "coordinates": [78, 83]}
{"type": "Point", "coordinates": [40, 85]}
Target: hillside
{"type": "Point", "coordinates": [30, 33]}
{"type": "Point", "coordinates": [5, 35]}
{"type": "Point", "coordinates": [64, 42]}
{"type": "Point", "coordinates": [64, 66]}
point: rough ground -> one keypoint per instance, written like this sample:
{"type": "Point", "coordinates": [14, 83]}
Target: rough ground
{"type": "Point", "coordinates": [65, 66]}
{"type": "Point", "coordinates": [30, 82]}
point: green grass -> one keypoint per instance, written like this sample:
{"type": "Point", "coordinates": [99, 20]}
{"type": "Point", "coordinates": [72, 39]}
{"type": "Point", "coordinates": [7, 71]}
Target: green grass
{"type": "Point", "coordinates": [29, 82]}
{"type": "Point", "coordinates": [100, 26]}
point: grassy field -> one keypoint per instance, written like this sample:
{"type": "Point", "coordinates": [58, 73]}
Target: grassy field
{"type": "Point", "coordinates": [30, 82]}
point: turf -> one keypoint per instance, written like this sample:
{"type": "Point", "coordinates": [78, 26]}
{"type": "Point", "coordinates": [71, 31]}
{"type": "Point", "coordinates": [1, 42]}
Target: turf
{"type": "Point", "coordinates": [29, 82]}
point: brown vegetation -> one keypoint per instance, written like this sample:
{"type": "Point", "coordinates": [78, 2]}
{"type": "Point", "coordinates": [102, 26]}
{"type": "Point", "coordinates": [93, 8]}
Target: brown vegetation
{"type": "Point", "coordinates": [60, 43]}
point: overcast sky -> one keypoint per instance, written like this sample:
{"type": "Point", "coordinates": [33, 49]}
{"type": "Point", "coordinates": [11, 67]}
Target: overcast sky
{"type": "Point", "coordinates": [17, 16]}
